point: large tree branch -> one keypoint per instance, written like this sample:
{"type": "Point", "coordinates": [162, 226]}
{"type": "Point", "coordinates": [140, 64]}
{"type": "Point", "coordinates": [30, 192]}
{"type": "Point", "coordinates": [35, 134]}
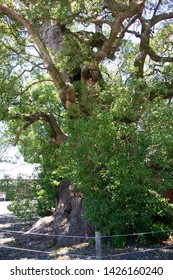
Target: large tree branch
{"type": "Point", "coordinates": [143, 48]}
{"type": "Point", "coordinates": [120, 12]}
{"type": "Point", "coordinates": [31, 30]}
{"type": "Point", "coordinates": [122, 34]}
{"type": "Point", "coordinates": [118, 7]}
{"type": "Point", "coordinates": [157, 7]}
{"type": "Point", "coordinates": [57, 136]}
{"type": "Point", "coordinates": [155, 57]}
{"type": "Point", "coordinates": [161, 17]}
{"type": "Point", "coordinates": [17, 40]}
{"type": "Point", "coordinates": [49, 65]}
{"type": "Point", "coordinates": [145, 41]}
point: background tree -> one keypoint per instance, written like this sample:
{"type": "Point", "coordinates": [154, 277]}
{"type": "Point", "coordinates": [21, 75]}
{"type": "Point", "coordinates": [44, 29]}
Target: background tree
{"type": "Point", "coordinates": [89, 85]}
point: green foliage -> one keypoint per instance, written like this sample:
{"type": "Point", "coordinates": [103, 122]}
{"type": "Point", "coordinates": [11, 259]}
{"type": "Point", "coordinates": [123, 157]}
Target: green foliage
{"type": "Point", "coordinates": [119, 149]}
{"type": "Point", "coordinates": [30, 200]}
{"type": "Point", "coordinates": [23, 208]}
{"type": "Point", "coordinates": [115, 161]}
{"type": "Point", "coordinates": [31, 197]}
{"type": "Point", "coordinates": [45, 192]}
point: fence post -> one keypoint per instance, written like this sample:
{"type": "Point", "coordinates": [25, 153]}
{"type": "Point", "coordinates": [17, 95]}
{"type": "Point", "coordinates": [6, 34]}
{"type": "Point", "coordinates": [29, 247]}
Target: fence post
{"type": "Point", "coordinates": [98, 244]}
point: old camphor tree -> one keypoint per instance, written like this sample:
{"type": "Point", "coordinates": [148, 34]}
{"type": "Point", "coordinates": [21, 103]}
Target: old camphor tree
{"type": "Point", "coordinates": [86, 91]}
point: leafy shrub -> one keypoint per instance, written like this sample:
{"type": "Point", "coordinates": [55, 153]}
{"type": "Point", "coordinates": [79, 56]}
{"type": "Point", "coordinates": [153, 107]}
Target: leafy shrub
{"type": "Point", "coordinates": [23, 208]}
{"type": "Point", "coordinates": [37, 199]}
{"type": "Point", "coordinates": [123, 167]}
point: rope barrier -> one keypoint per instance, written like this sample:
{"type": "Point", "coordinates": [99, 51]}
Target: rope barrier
{"type": "Point", "coordinates": [139, 252]}
{"type": "Point", "coordinates": [27, 250]}
{"type": "Point", "coordinates": [85, 237]}
{"type": "Point", "coordinates": [47, 252]}
{"type": "Point", "coordinates": [6, 231]}
{"type": "Point", "coordinates": [135, 234]}
{"type": "Point", "coordinates": [47, 235]}
{"type": "Point", "coordinates": [85, 256]}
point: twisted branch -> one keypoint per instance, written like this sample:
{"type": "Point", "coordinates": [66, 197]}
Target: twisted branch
{"type": "Point", "coordinates": [57, 136]}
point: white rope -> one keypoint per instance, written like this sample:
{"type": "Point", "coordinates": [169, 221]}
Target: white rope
{"type": "Point", "coordinates": [47, 252]}
{"type": "Point", "coordinates": [84, 237]}
{"type": "Point", "coordinates": [138, 233]}
{"type": "Point", "coordinates": [138, 252]}
{"type": "Point", "coordinates": [27, 250]}
{"type": "Point", "coordinates": [85, 256]}
{"type": "Point", "coordinates": [47, 234]}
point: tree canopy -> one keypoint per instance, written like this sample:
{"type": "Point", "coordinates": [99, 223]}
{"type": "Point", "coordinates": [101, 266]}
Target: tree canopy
{"type": "Point", "coordinates": [86, 91]}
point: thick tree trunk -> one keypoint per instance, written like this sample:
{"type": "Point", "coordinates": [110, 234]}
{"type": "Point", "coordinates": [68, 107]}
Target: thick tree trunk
{"type": "Point", "coordinates": [67, 221]}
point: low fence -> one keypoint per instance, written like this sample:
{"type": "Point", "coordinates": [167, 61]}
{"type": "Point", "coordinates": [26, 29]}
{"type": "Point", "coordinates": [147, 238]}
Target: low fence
{"type": "Point", "coordinates": [97, 240]}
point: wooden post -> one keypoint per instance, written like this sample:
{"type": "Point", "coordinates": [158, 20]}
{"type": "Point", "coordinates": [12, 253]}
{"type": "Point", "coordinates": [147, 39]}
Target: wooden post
{"type": "Point", "coordinates": [98, 244]}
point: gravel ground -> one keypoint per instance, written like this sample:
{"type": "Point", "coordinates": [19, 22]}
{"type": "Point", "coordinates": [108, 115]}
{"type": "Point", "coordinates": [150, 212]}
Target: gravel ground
{"type": "Point", "coordinates": [12, 223]}
{"type": "Point", "coordinates": [51, 252]}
